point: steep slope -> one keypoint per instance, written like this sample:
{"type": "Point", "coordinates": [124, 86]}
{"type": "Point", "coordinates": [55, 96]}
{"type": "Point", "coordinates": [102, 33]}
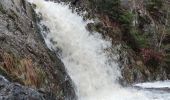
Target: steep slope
{"type": "Point", "coordinates": [24, 57]}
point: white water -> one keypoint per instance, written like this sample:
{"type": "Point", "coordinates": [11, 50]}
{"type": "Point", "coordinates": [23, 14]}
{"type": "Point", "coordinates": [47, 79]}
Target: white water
{"type": "Point", "coordinates": [159, 84]}
{"type": "Point", "coordinates": [84, 55]}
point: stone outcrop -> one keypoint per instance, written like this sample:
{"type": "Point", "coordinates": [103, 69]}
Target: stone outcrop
{"type": "Point", "coordinates": [14, 91]}
{"type": "Point", "coordinates": [24, 57]}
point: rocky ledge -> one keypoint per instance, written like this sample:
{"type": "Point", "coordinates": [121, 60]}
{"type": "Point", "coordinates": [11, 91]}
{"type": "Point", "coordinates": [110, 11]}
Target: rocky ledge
{"type": "Point", "coordinates": [14, 91]}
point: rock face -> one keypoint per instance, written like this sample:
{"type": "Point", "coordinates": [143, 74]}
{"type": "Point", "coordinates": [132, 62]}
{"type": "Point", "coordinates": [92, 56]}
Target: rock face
{"type": "Point", "coordinates": [14, 91]}
{"type": "Point", "coordinates": [149, 31]}
{"type": "Point", "coordinates": [25, 58]}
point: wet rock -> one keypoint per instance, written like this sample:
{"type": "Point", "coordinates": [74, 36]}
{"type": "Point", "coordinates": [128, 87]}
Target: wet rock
{"type": "Point", "coordinates": [15, 91]}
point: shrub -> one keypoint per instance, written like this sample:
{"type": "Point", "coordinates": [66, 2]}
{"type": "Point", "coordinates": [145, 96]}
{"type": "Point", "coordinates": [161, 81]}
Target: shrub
{"type": "Point", "coordinates": [126, 19]}
{"type": "Point", "coordinates": [151, 57]}
{"type": "Point", "coordinates": [141, 39]}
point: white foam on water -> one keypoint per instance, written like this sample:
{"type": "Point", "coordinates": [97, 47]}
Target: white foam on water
{"type": "Point", "coordinates": [84, 55]}
{"type": "Point", "coordinates": [157, 84]}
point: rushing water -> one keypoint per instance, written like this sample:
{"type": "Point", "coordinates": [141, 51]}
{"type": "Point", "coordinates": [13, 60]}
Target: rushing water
{"type": "Point", "coordinates": [85, 57]}
{"type": "Point", "coordinates": [155, 85]}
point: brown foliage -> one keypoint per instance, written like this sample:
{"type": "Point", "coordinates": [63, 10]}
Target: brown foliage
{"type": "Point", "coordinates": [23, 71]}
{"type": "Point", "coordinates": [151, 56]}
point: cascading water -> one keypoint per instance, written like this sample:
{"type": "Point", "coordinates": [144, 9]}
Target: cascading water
{"type": "Point", "coordinates": [84, 55]}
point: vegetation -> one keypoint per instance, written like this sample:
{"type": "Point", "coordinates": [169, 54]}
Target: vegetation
{"type": "Point", "coordinates": [151, 57]}
{"type": "Point", "coordinates": [141, 39]}
{"type": "Point", "coordinates": [145, 42]}
{"type": "Point", "coordinates": [22, 70]}
{"type": "Point", "coordinates": [126, 19]}
{"type": "Point", "coordinates": [140, 31]}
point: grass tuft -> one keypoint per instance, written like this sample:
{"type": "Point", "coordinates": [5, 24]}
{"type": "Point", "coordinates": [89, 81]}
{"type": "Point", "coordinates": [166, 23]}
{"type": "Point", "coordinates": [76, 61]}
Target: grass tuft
{"type": "Point", "coordinates": [22, 70]}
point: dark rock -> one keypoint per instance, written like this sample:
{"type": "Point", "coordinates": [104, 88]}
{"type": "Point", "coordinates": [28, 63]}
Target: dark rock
{"type": "Point", "coordinates": [14, 91]}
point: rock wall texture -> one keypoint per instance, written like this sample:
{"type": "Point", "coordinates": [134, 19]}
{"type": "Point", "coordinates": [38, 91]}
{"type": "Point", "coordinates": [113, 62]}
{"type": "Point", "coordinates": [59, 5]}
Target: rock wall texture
{"type": "Point", "coordinates": [24, 57]}
{"type": "Point", "coordinates": [14, 91]}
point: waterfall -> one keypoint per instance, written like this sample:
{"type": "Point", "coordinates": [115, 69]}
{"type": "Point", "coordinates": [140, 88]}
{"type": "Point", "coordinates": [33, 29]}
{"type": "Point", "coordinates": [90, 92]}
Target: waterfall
{"type": "Point", "coordinates": [84, 55]}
